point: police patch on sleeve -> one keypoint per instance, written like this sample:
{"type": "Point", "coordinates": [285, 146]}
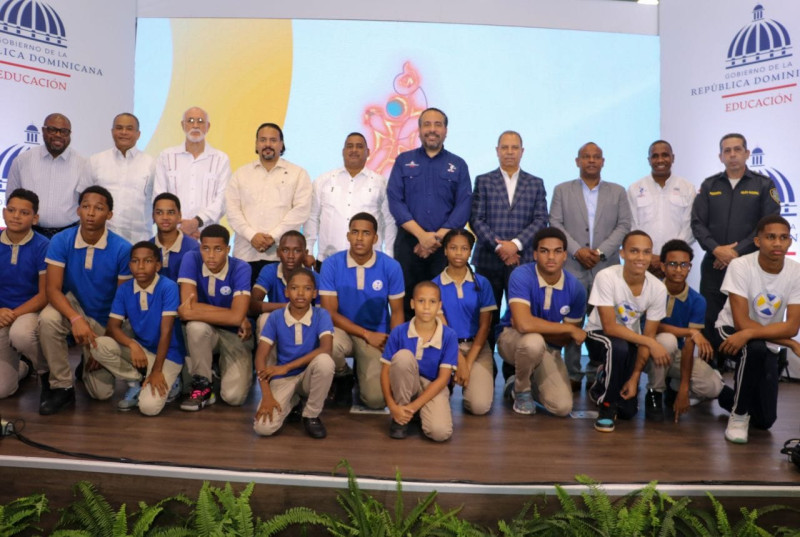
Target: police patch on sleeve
{"type": "Point", "coordinates": [773, 192]}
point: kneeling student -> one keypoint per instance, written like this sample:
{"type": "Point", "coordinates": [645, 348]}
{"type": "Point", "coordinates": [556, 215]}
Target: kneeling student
{"type": "Point", "coordinates": [150, 304]}
{"type": "Point", "coordinates": [622, 295]}
{"type": "Point", "coordinates": [762, 314]}
{"type": "Point", "coordinates": [418, 361]}
{"type": "Point", "coordinates": [681, 334]}
{"type": "Point", "coordinates": [303, 336]}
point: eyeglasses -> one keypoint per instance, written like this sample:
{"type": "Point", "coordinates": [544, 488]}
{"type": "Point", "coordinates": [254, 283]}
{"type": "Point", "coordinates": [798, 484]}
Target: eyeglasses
{"type": "Point", "coordinates": [56, 130]}
{"type": "Point", "coordinates": [684, 265]}
{"type": "Point", "coordinates": [193, 120]}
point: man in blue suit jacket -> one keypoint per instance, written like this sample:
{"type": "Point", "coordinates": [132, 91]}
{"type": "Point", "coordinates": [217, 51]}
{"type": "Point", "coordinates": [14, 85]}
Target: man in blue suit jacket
{"type": "Point", "coordinates": [508, 207]}
{"type": "Point", "coordinates": [595, 216]}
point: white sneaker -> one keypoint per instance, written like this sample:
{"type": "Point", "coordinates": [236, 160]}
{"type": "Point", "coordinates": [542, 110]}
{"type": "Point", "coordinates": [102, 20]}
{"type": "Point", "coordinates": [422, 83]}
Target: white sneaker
{"type": "Point", "coordinates": [736, 431]}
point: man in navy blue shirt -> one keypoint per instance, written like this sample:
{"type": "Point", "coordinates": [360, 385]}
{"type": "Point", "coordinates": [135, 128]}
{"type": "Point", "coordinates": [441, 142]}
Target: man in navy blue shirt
{"type": "Point", "coordinates": [429, 194]}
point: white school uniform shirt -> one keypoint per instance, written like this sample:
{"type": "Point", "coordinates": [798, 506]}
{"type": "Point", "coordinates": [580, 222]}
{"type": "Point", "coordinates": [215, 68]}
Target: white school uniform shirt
{"type": "Point", "coordinates": [261, 201]}
{"type": "Point", "coordinates": [664, 213]}
{"type": "Point", "coordinates": [611, 289]}
{"type": "Point", "coordinates": [198, 182]}
{"type": "Point", "coordinates": [337, 197]}
{"type": "Point", "coordinates": [768, 295]}
{"type": "Point", "coordinates": [129, 178]}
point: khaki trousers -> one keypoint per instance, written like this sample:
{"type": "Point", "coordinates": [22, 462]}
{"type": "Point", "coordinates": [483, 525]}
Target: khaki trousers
{"type": "Point", "coordinates": [539, 368]}
{"type": "Point", "coordinates": [704, 383]}
{"type": "Point", "coordinates": [21, 338]}
{"type": "Point", "coordinates": [479, 392]}
{"type": "Point", "coordinates": [235, 359]}
{"type": "Point", "coordinates": [368, 365]}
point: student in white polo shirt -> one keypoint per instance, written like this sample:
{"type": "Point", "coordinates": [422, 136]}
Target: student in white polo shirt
{"type": "Point", "coordinates": [303, 337]}
{"type": "Point", "coordinates": [417, 364]}
{"type": "Point", "coordinates": [356, 286]}
{"type": "Point", "coordinates": [84, 267]}
{"type": "Point", "coordinates": [148, 342]}
{"type": "Point", "coordinates": [215, 294]}
{"type": "Point", "coordinates": [22, 292]}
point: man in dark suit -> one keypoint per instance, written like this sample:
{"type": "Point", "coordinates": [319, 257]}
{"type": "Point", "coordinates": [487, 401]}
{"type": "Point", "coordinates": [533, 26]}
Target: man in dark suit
{"type": "Point", "coordinates": [508, 207]}
{"type": "Point", "coordinates": [595, 216]}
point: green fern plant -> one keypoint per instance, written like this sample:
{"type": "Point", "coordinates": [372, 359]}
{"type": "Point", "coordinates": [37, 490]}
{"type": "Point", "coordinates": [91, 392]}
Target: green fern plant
{"type": "Point", "coordinates": [21, 514]}
{"type": "Point", "coordinates": [92, 516]}
{"type": "Point", "coordinates": [366, 516]}
{"type": "Point", "coordinates": [717, 523]}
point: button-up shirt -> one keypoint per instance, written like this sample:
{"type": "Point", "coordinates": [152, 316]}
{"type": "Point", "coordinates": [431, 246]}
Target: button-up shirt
{"type": "Point", "coordinates": [271, 202]}
{"type": "Point", "coordinates": [57, 181]}
{"type": "Point", "coordinates": [198, 182]}
{"type": "Point", "coordinates": [129, 178]}
{"type": "Point", "coordinates": [337, 197]}
{"type": "Point", "coordinates": [664, 213]}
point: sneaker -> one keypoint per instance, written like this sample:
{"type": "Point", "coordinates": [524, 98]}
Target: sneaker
{"type": "Point", "coordinates": [523, 403]}
{"type": "Point", "coordinates": [508, 389]}
{"type": "Point", "coordinates": [654, 406]}
{"type": "Point", "coordinates": [606, 418]}
{"type": "Point", "coordinates": [56, 399]}
{"type": "Point", "coordinates": [598, 386]}
{"type": "Point", "coordinates": [131, 398]}
{"type": "Point", "coordinates": [736, 431]}
{"type": "Point", "coordinates": [175, 391]}
{"type": "Point", "coordinates": [200, 397]}
{"type": "Point", "coordinates": [397, 431]}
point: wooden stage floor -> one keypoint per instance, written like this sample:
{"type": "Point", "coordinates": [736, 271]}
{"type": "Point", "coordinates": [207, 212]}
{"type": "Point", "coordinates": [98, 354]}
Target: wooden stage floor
{"type": "Point", "coordinates": [502, 448]}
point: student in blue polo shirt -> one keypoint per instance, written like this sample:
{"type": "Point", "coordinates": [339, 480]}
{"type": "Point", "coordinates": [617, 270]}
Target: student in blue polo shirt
{"type": "Point", "coordinates": [418, 361]}
{"type": "Point", "coordinates": [681, 334]}
{"type": "Point", "coordinates": [303, 337]}
{"type": "Point", "coordinates": [467, 307]}
{"type": "Point", "coordinates": [173, 243]}
{"type": "Point", "coordinates": [546, 304]}
{"type": "Point", "coordinates": [149, 342]}
{"type": "Point", "coordinates": [356, 285]}
{"type": "Point", "coordinates": [22, 291]}
{"type": "Point", "coordinates": [271, 280]}
{"type": "Point", "coordinates": [85, 264]}
{"type": "Point", "coordinates": [215, 295]}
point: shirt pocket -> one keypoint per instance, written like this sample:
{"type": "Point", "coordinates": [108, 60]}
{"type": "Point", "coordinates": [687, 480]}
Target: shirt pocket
{"type": "Point", "coordinates": [446, 186]}
{"type": "Point", "coordinates": [645, 208]}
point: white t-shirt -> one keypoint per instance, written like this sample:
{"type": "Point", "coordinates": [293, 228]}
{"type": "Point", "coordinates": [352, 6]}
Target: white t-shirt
{"type": "Point", "coordinates": [767, 295]}
{"type": "Point", "coordinates": [611, 289]}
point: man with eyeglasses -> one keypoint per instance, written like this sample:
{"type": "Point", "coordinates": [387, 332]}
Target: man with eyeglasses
{"type": "Point", "coordinates": [55, 172]}
{"type": "Point", "coordinates": [195, 172]}
{"type": "Point", "coordinates": [661, 202]}
{"type": "Point", "coordinates": [128, 174]}
{"type": "Point", "coordinates": [681, 333]}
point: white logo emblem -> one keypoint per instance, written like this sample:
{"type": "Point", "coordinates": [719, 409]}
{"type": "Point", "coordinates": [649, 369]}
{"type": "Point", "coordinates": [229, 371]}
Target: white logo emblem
{"type": "Point", "coordinates": [564, 310]}
{"type": "Point", "coordinates": [226, 290]}
{"type": "Point", "coordinates": [377, 285]}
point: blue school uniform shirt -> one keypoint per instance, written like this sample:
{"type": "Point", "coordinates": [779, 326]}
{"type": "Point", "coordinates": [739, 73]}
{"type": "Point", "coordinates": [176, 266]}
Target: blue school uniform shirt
{"type": "Point", "coordinates": [91, 271]}
{"type": "Point", "coordinates": [20, 267]}
{"type": "Point", "coordinates": [216, 289]}
{"type": "Point", "coordinates": [463, 304]}
{"type": "Point", "coordinates": [441, 351]}
{"type": "Point", "coordinates": [172, 257]}
{"type": "Point", "coordinates": [271, 280]}
{"type": "Point", "coordinates": [563, 301]}
{"type": "Point", "coordinates": [364, 290]}
{"type": "Point", "coordinates": [294, 338]}
{"type": "Point", "coordinates": [144, 309]}
{"type": "Point", "coordinates": [687, 309]}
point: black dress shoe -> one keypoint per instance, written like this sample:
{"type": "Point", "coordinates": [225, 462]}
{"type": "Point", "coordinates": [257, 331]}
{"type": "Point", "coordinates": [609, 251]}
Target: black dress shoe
{"type": "Point", "coordinates": [397, 431]}
{"type": "Point", "coordinates": [56, 400]}
{"type": "Point", "coordinates": [314, 427]}
{"type": "Point", "coordinates": [653, 406]}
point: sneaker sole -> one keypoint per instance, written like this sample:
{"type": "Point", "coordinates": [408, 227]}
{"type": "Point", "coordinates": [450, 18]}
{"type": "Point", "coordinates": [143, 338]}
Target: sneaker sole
{"type": "Point", "coordinates": [524, 412]}
{"type": "Point", "coordinates": [195, 408]}
{"type": "Point", "coordinates": [735, 440]}
{"type": "Point", "coordinates": [604, 428]}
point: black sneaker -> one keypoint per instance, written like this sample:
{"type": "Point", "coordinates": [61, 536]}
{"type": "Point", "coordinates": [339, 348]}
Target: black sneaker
{"type": "Point", "coordinates": [314, 427]}
{"type": "Point", "coordinates": [201, 395]}
{"type": "Point", "coordinates": [606, 417]}
{"type": "Point", "coordinates": [397, 431]}
{"type": "Point", "coordinates": [56, 400]}
{"type": "Point", "coordinates": [654, 406]}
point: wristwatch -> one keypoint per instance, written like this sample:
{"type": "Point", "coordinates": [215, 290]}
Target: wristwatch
{"type": "Point", "coordinates": [601, 254]}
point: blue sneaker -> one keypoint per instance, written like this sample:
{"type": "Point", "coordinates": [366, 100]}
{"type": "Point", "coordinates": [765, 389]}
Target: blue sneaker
{"type": "Point", "coordinates": [175, 391]}
{"type": "Point", "coordinates": [606, 418]}
{"type": "Point", "coordinates": [523, 403]}
{"type": "Point", "coordinates": [131, 398]}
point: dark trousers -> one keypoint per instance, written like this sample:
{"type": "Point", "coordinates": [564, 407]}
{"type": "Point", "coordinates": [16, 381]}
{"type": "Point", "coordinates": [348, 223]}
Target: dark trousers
{"type": "Point", "coordinates": [755, 379]}
{"type": "Point", "coordinates": [710, 283]}
{"type": "Point", "coordinates": [255, 268]}
{"type": "Point", "coordinates": [618, 357]}
{"type": "Point", "coordinates": [49, 232]}
{"type": "Point", "coordinates": [415, 268]}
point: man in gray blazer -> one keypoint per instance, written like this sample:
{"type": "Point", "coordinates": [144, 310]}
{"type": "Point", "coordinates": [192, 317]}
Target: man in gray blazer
{"type": "Point", "coordinates": [595, 216]}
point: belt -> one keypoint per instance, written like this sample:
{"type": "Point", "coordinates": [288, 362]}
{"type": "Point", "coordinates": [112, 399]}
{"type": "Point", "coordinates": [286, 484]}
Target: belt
{"type": "Point", "coordinates": [466, 340]}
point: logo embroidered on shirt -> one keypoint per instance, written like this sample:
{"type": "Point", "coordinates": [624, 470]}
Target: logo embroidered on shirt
{"type": "Point", "coordinates": [225, 290]}
{"type": "Point", "coordinates": [451, 168]}
{"type": "Point", "coordinates": [377, 285]}
{"type": "Point", "coordinates": [564, 310]}
{"type": "Point", "coordinates": [412, 164]}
